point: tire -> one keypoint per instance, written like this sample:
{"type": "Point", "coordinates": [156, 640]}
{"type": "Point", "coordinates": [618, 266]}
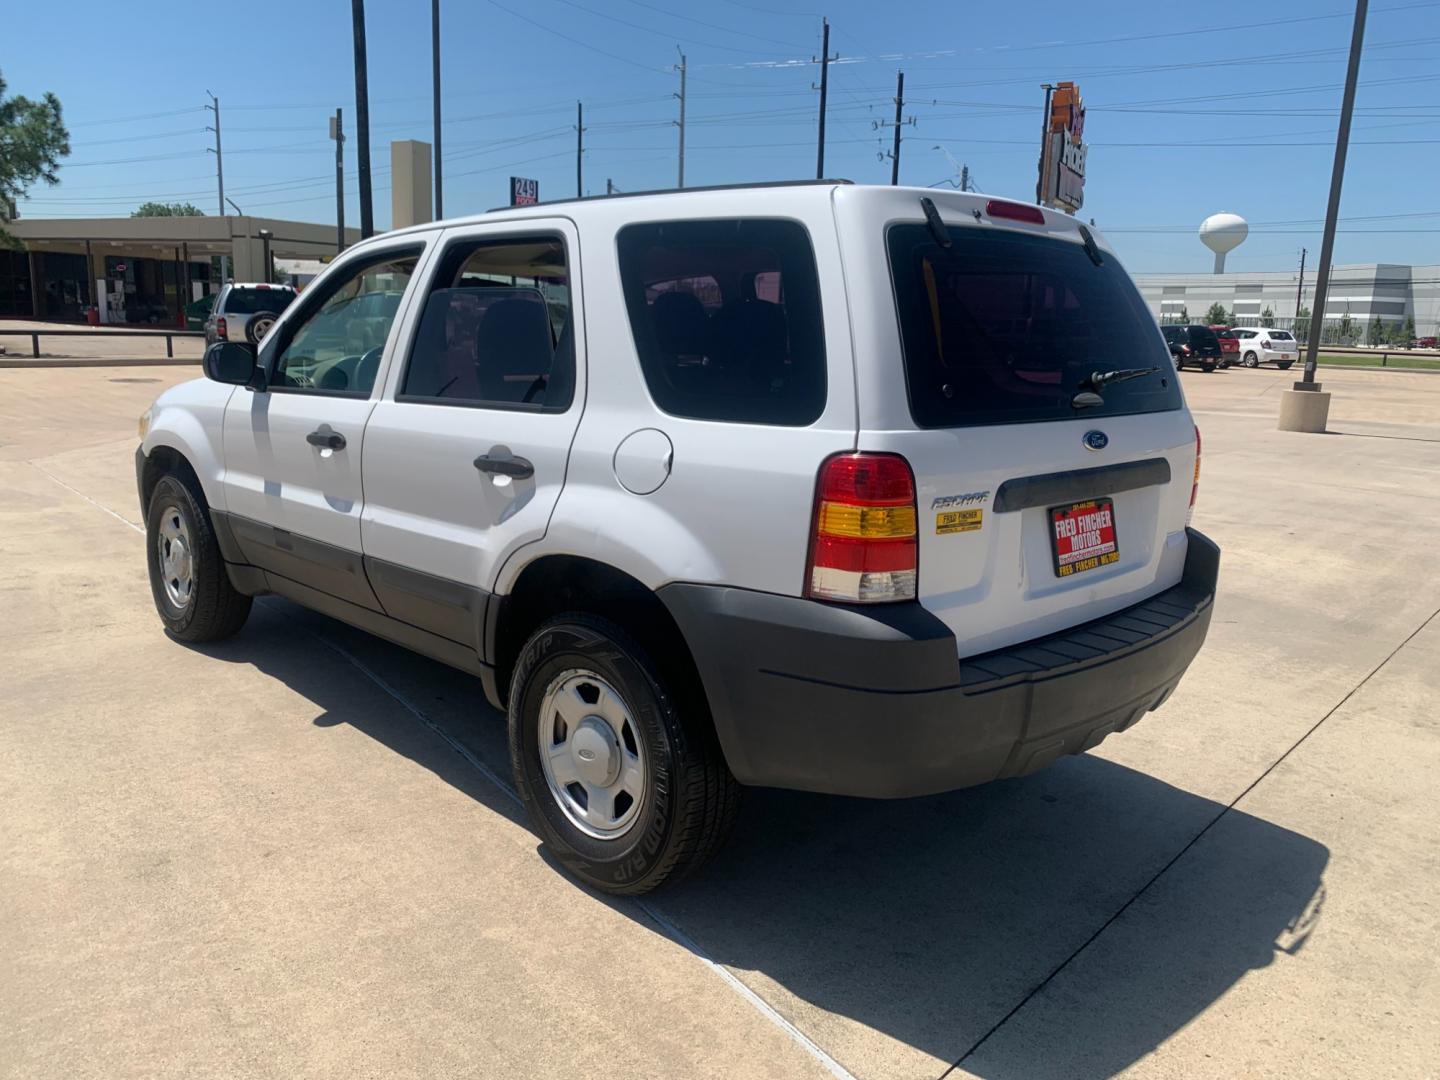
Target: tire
{"type": "Point", "coordinates": [1251, 360]}
{"type": "Point", "coordinates": [1207, 368]}
{"type": "Point", "coordinates": [683, 806]}
{"type": "Point", "coordinates": [258, 325]}
{"type": "Point", "coordinates": [209, 608]}
{"type": "Point", "coordinates": [1284, 365]}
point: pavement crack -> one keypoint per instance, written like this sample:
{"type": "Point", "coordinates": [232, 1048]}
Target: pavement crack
{"type": "Point", "coordinates": [1040, 986]}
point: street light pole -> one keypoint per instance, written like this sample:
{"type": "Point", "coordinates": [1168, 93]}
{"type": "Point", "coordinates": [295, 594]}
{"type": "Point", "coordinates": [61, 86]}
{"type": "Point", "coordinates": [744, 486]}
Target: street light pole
{"type": "Point", "coordinates": [435, 65]}
{"type": "Point", "coordinates": [1332, 211]}
{"type": "Point", "coordinates": [362, 119]}
{"type": "Point", "coordinates": [1049, 89]}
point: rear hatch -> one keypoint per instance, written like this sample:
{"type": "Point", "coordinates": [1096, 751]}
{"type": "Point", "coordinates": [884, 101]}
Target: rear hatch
{"type": "Point", "coordinates": [1204, 344]}
{"type": "Point", "coordinates": [1039, 507]}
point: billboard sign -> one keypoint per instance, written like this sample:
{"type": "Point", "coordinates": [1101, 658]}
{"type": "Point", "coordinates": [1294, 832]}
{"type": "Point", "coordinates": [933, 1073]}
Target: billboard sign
{"type": "Point", "coordinates": [524, 192]}
{"type": "Point", "coordinates": [1062, 155]}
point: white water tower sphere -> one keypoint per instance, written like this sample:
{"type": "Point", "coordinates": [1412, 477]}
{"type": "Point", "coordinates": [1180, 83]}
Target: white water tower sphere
{"type": "Point", "coordinates": [1223, 233]}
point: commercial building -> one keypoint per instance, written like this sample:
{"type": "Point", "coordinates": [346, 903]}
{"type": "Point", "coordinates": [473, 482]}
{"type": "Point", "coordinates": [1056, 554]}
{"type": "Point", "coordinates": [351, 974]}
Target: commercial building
{"type": "Point", "coordinates": [142, 270]}
{"type": "Point", "coordinates": [1389, 291]}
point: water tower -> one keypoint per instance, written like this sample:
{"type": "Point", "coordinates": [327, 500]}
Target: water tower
{"type": "Point", "coordinates": [1223, 233]}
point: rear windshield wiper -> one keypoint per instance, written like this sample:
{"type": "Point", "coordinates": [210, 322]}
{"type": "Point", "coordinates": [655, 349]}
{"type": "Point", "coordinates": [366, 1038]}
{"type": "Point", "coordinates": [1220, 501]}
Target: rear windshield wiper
{"type": "Point", "coordinates": [1098, 380]}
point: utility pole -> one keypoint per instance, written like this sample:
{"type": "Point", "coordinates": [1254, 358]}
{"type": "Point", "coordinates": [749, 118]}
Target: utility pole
{"type": "Point", "coordinates": [965, 178]}
{"type": "Point", "coordinates": [824, 91]}
{"type": "Point", "coordinates": [1332, 212]}
{"type": "Point", "coordinates": [362, 119]}
{"type": "Point", "coordinates": [898, 123]}
{"type": "Point", "coordinates": [1049, 89]}
{"type": "Point", "coordinates": [681, 68]}
{"type": "Point", "coordinates": [609, 186]}
{"type": "Point", "coordinates": [214, 107]}
{"type": "Point", "coordinates": [579, 148]}
{"type": "Point", "coordinates": [899, 105]}
{"type": "Point", "coordinates": [1300, 289]}
{"type": "Point", "coordinates": [435, 67]}
{"type": "Point", "coordinates": [337, 132]}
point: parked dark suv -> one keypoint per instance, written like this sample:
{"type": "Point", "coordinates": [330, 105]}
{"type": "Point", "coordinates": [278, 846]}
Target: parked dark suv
{"type": "Point", "coordinates": [1194, 345]}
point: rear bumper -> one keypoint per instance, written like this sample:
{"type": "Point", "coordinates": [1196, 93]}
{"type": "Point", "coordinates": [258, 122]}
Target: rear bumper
{"type": "Point", "coordinates": [872, 701]}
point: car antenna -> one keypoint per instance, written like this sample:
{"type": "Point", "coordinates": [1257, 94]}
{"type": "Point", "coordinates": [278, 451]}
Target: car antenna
{"type": "Point", "coordinates": [1091, 248]}
{"type": "Point", "coordinates": [932, 219]}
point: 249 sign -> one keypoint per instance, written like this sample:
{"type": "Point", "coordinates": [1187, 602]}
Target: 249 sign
{"type": "Point", "coordinates": [524, 191]}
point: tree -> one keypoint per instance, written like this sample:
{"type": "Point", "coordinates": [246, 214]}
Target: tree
{"type": "Point", "coordinates": [1302, 324]}
{"type": "Point", "coordinates": [1345, 330]}
{"type": "Point", "coordinates": [1217, 315]}
{"type": "Point", "coordinates": [167, 209]}
{"type": "Point", "coordinates": [1407, 332]}
{"type": "Point", "coordinates": [1184, 314]}
{"type": "Point", "coordinates": [1376, 333]}
{"type": "Point", "coordinates": [33, 139]}
{"type": "Point", "coordinates": [1267, 316]}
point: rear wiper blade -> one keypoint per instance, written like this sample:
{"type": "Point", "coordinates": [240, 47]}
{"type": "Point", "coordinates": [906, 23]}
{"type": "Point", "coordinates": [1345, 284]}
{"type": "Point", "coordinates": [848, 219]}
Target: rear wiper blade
{"type": "Point", "coordinates": [1097, 380]}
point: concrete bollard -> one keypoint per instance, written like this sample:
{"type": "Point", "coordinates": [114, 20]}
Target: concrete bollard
{"type": "Point", "coordinates": [1304, 410]}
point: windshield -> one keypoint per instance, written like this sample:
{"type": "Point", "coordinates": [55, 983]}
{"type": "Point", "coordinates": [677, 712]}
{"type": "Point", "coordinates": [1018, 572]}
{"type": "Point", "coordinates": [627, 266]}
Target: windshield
{"type": "Point", "coordinates": [1003, 327]}
{"type": "Point", "coordinates": [250, 301]}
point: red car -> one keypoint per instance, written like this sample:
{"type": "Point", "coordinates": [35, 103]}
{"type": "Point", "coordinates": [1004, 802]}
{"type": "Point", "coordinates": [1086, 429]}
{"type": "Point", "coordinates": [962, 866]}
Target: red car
{"type": "Point", "coordinates": [1229, 345]}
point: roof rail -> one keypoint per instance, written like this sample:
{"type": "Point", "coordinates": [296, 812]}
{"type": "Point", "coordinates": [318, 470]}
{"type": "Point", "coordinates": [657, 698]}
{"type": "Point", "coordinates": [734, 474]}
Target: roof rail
{"type": "Point", "coordinates": [679, 191]}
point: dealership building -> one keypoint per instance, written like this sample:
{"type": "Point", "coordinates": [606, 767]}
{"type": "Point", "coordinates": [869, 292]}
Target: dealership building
{"type": "Point", "coordinates": [142, 270]}
{"type": "Point", "coordinates": [1390, 291]}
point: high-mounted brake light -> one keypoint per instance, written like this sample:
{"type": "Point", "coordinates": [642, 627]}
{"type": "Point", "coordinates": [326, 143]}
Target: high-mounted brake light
{"type": "Point", "coordinates": [220, 330]}
{"type": "Point", "coordinates": [1195, 483]}
{"type": "Point", "coordinates": [1015, 211]}
{"type": "Point", "coordinates": [864, 547]}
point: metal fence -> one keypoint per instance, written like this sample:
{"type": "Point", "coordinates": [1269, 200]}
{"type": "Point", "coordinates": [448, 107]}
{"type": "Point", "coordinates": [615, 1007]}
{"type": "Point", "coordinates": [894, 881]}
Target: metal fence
{"type": "Point", "coordinates": [168, 335]}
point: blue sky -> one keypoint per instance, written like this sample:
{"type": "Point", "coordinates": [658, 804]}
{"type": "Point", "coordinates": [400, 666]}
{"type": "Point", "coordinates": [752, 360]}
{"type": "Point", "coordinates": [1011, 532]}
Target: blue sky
{"type": "Point", "coordinates": [1192, 109]}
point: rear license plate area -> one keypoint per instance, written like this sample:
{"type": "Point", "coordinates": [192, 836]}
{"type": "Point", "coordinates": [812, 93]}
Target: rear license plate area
{"type": "Point", "coordinates": [1082, 536]}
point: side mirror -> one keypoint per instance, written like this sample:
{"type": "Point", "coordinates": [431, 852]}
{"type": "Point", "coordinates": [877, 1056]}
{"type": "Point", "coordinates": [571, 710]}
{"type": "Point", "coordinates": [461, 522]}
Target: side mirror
{"type": "Point", "coordinates": [230, 362]}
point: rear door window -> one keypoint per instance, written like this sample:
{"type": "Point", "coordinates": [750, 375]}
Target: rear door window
{"type": "Point", "coordinates": [726, 318]}
{"type": "Point", "coordinates": [1003, 327]}
{"type": "Point", "coordinates": [251, 301]}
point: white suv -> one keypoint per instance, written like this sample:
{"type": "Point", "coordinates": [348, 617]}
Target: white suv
{"type": "Point", "coordinates": [1263, 345]}
{"type": "Point", "coordinates": [874, 491]}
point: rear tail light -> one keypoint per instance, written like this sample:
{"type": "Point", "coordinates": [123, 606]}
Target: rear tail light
{"type": "Point", "coordinates": [220, 330]}
{"type": "Point", "coordinates": [864, 547]}
{"type": "Point", "coordinates": [1195, 483]}
{"type": "Point", "coordinates": [1015, 211]}
{"type": "Point", "coordinates": [1265, 344]}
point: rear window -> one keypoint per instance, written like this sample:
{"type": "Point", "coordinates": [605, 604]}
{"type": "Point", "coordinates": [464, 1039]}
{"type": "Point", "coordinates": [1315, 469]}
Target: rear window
{"type": "Point", "coordinates": [726, 318]}
{"type": "Point", "coordinates": [1280, 335]}
{"type": "Point", "coordinates": [1203, 335]}
{"type": "Point", "coordinates": [250, 301]}
{"type": "Point", "coordinates": [1004, 326]}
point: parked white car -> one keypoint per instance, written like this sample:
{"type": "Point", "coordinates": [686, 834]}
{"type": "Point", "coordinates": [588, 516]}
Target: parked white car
{"type": "Point", "coordinates": [875, 491]}
{"type": "Point", "coordinates": [1264, 345]}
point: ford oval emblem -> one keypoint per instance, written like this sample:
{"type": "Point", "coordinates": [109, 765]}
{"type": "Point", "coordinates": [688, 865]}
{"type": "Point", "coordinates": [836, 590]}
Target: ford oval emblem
{"type": "Point", "coordinates": [1096, 440]}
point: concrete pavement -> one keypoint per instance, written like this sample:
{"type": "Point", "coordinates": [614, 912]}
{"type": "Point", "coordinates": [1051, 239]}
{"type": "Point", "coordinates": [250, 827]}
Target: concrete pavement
{"type": "Point", "coordinates": [295, 854]}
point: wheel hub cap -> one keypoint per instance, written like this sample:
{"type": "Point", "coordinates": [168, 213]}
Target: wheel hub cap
{"type": "Point", "coordinates": [176, 557]}
{"type": "Point", "coordinates": [591, 754]}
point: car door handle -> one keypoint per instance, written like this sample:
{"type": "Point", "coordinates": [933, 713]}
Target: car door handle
{"type": "Point", "coordinates": [517, 467]}
{"type": "Point", "coordinates": [326, 440]}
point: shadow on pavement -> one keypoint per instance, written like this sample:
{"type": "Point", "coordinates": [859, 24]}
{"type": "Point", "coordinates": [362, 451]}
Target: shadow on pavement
{"type": "Point", "coordinates": [925, 920]}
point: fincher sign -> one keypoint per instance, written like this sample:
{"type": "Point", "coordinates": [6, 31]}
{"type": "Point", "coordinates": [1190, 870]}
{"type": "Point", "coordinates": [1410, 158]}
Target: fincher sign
{"type": "Point", "coordinates": [1062, 155]}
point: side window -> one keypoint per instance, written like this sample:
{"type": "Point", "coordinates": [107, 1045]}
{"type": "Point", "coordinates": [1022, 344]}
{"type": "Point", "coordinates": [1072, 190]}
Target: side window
{"type": "Point", "coordinates": [726, 318]}
{"type": "Point", "coordinates": [335, 346]}
{"type": "Point", "coordinates": [497, 328]}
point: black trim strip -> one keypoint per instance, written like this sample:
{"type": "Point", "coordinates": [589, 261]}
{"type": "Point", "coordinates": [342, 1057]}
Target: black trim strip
{"type": "Point", "coordinates": [1047, 489]}
{"type": "Point", "coordinates": [452, 609]}
{"type": "Point", "coordinates": [374, 622]}
{"type": "Point", "coordinates": [335, 570]}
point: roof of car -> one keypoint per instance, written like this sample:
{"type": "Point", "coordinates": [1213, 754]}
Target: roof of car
{"type": "Point", "coordinates": [257, 285]}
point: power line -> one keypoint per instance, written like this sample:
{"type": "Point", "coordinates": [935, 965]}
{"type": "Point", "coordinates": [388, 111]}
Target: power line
{"type": "Point", "coordinates": [574, 40]}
